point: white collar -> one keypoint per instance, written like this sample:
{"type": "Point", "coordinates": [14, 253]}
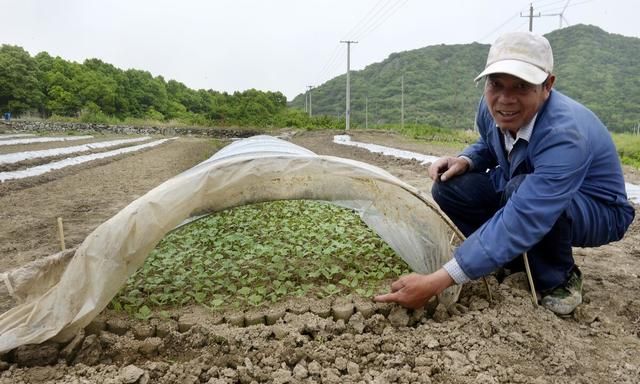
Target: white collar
{"type": "Point", "coordinates": [523, 133]}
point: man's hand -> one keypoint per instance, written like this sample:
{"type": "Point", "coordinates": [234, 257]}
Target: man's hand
{"type": "Point", "coordinates": [414, 290]}
{"type": "Point", "coordinates": [448, 167]}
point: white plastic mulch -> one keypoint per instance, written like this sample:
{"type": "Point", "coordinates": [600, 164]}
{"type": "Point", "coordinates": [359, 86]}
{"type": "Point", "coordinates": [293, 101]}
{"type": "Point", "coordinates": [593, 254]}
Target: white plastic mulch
{"type": "Point", "coordinates": [15, 135]}
{"type": "Point", "coordinates": [633, 191]}
{"type": "Point", "coordinates": [11, 158]}
{"type": "Point", "coordinates": [346, 140]}
{"type": "Point", "coordinates": [43, 140]}
{"type": "Point", "coordinates": [41, 169]}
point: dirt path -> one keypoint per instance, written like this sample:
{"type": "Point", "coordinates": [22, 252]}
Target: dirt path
{"type": "Point", "coordinates": [304, 341]}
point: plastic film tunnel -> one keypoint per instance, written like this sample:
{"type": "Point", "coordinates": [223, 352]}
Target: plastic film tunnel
{"type": "Point", "coordinates": [57, 296]}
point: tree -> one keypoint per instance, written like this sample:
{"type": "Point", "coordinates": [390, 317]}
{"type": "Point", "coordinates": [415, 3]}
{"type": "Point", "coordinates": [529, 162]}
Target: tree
{"type": "Point", "coordinates": [19, 88]}
{"type": "Point", "coordinates": [98, 91]}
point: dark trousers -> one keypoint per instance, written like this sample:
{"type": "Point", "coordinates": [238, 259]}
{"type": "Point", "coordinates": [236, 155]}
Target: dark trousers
{"type": "Point", "coordinates": [471, 199]}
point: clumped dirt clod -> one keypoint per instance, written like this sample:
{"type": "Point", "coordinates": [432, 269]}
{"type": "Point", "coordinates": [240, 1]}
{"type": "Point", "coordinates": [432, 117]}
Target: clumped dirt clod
{"type": "Point", "coordinates": [344, 340]}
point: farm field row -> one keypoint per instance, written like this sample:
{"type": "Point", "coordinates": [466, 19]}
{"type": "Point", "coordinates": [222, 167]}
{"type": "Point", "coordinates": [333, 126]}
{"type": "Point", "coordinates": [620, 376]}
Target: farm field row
{"type": "Point", "coordinates": [44, 159]}
{"type": "Point", "coordinates": [477, 341]}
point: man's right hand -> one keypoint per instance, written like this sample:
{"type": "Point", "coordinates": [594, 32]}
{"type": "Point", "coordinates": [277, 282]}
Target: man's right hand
{"type": "Point", "coordinates": [446, 168]}
{"type": "Point", "coordinates": [414, 290]}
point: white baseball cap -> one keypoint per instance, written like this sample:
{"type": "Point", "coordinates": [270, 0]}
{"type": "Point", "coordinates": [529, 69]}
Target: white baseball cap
{"type": "Point", "coordinates": [521, 54]}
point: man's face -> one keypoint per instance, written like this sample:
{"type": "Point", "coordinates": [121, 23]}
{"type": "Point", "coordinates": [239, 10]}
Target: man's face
{"type": "Point", "coordinates": [512, 101]}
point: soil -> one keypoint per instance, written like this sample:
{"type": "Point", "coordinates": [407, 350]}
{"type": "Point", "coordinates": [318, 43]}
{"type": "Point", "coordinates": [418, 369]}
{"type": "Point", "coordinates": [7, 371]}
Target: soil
{"type": "Point", "coordinates": [345, 340]}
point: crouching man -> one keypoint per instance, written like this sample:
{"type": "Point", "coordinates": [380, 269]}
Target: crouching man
{"type": "Point", "coordinates": [543, 176]}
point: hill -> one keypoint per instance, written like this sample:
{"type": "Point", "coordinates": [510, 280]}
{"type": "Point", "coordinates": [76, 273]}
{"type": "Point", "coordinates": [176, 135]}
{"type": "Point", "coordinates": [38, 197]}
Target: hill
{"type": "Point", "coordinates": [597, 68]}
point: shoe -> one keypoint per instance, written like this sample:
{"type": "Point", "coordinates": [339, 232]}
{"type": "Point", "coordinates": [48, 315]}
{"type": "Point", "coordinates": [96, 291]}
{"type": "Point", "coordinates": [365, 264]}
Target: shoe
{"type": "Point", "coordinates": [564, 299]}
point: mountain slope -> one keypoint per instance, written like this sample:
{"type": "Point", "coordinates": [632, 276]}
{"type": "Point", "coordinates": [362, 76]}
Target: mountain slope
{"type": "Point", "coordinates": [596, 68]}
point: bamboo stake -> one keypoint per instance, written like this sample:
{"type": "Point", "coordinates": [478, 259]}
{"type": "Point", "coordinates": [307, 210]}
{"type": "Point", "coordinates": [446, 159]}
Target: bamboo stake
{"type": "Point", "coordinates": [534, 298]}
{"type": "Point", "coordinates": [487, 288]}
{"type": "Point", "coordinates": [61, 234]}
{"type": "Point", "coordinates": [484, 279]}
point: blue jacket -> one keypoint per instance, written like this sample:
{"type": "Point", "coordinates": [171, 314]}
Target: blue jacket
{"type": "Point", "coordinates": [571, 165]}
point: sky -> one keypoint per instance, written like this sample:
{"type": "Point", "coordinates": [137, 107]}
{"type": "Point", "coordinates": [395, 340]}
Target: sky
{"type": "Point", "coordinates": [278, 45]}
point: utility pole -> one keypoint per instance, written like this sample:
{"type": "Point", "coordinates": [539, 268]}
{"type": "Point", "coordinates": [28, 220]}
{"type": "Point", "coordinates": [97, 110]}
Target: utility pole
{"type": "Point", "coordinates": [306, 98]}
{"type": "Point", "coordinates": [402, 102]}
{"type": "Point", "coordinates": [366, 112]}
{"type": "Point", "coordinates": [347, 113]}
{"type": "Point", "coordinates": [309, 91]}
{"type": "Point", "coordinates": [531, 16]}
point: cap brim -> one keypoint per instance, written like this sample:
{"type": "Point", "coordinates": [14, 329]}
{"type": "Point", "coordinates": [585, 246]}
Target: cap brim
{"type": "Point", "coordinates": [527, 72]}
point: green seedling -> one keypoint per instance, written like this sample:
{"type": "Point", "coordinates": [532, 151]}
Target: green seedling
{"type": "Point", "coordinates": [261, 254]}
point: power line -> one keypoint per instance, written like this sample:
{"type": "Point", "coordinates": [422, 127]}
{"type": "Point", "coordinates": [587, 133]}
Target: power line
{"type": "Point", "coordinates": [499, 27]}
{"type": "Point", "coordinates": [571, 6]}
{"type": "Point", "coordinates": [519, 27]}
{"type": "Point", "coordinates": [337, 55]}
{"type": "Point", "coordinates": [377, 15]}
{"type": "Point", "coordinates": [561, 14]}
{"type": "Point", "coordinates": [542, 5]}
{"type": "Point", "coordinates": [545, 4]}
{"type": "Point", "coordinates": [365, 19]}
{"type": "Point", "coordinates": [336, 51]}
{"type": "Point", "coordinates": [375, 23]}
{"type": "Point", "coordinates": [330, 64]}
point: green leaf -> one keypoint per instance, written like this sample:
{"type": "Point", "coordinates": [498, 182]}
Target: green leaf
{"type": "Point", "coordinates": [143, 313]}
{"type": "Point", "coordinates": [216, 302]}
{"type": "Point", "coordinates": [244, 291]}
{"type": "Point", "coordinates": [255, 299]}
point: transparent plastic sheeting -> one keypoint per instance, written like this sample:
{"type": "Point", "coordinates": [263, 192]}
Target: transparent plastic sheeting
{"type": "Point", "coordinates": [61, 294]}
{"type": "Point", "coordinates": [44, 168]}
{"type": "Point", "coordinates": [12, 158]}
{"type": "Point", "coordinates": [633, 191]}
{"type": "Point", "coordinates": [43, 140]}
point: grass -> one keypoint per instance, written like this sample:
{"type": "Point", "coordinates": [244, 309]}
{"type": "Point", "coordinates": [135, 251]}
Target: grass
{"type": "Point", "coordinates": [260, 254]}
{"type": "Point", "coordinates": [628, 146]}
